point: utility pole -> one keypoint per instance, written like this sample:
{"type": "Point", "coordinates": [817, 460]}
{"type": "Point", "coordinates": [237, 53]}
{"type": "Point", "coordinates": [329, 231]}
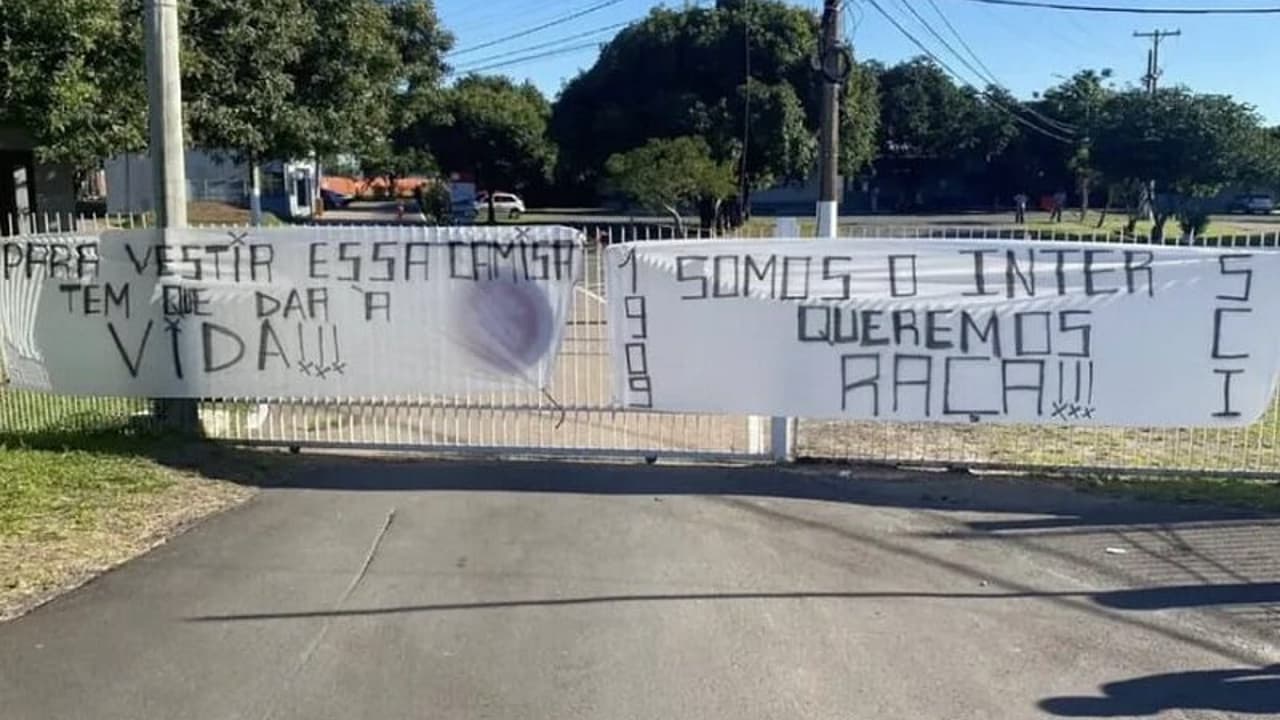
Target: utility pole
{"type": "Point", "coordinates": [164, 114]}
{"type": "Point", "coordinates": [168, 156]}
{"type": "Point", "coordinates": [1152, 78]}
{"type": "Point", "coordinates": [744, 209]}
{"type": "Point", "coordinates": [1152, 81]}
{"type": "Point", "coordinates": [834, 64]}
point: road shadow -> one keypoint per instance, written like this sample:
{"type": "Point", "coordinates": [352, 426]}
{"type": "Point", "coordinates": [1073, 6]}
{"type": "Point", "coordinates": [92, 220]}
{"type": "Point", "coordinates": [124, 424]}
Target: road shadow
{"type": "Point", "coordinates": [1156, 598]}
{"type": "Point", "coordinates": [1190, 596]}
{"type": "Point", "coordinates": [1035, 506]}
{"type": "Point", "coordinates": [1247, 690]}
{"type": "Point", "coordinates": [126, 437]}
{"type": "Point", "coordinates": [1177, 556]}
{"type": "Point", "coordinates": [1051, 505]}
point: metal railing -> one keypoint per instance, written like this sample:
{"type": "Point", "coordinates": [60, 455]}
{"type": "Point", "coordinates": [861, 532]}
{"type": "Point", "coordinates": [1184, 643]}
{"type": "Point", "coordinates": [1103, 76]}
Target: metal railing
{"type": "Point", "coordinates": [575, 417]}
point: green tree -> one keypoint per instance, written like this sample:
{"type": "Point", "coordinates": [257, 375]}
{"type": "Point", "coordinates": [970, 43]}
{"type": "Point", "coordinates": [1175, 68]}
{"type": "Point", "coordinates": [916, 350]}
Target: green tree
{"type": "Point", "coordinates": [684, 73]}
{"type": "Point", "coordinates": [929, 126]}
{"type": "Point", "coordinates": [1079, 101]}
{"type": "Point", "coordinates": [1189, 145]}
{"type": "Point", "coordinates": [71, 77]}
{"type": "Point", "coordinates": [369, 72]}
{"type": "Point", "coordinates": [1263, 168]}
{"type": "Point", "coordinates": [922, 112]}
{"type": "Point", "coordinates": [418, 99]}
{"type": "Point", "coordinates": [495, 130]}
{"type": "Point", "coordinates": [239, 83]}
{"type": "Point", "coordinates": [392, 159]}
{"type": "Point", "coordinates": [666, 174]}
{"type": "Point", "coordinates": [345, 77]}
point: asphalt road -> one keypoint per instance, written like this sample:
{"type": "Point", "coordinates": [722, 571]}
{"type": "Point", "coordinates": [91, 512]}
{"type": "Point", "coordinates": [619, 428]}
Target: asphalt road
{"type": "Point", "coordinates": [575, 591]}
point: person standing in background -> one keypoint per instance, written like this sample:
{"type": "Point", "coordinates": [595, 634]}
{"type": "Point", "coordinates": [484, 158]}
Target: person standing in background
{"type": "Point", "coordinates": [1020, 208]}
{"type": "Point", "coordinates": [1059, 202]}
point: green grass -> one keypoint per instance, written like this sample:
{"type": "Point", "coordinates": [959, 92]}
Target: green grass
{"type": "Point", "coordinates": [1261, 495]}
{"type": "Point", "coordinates": [1038, 223]}
{"type": "Point", "coordinates": [1115, 223]}
{"type": "Point", "coordinates": [88, 483]}
{"type": "Point", "coordinates": [56, 491]}
{"type": "Point", "coordinates": [65, 461]}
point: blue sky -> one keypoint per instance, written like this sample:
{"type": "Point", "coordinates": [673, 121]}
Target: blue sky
{"type": "Point", "coordinates": [1023, 48]}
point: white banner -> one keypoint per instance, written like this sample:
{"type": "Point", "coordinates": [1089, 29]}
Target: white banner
{"type": "Point", "coordinates": [947, 330]}
{"type": "Point", "coordinates": [287, 312]}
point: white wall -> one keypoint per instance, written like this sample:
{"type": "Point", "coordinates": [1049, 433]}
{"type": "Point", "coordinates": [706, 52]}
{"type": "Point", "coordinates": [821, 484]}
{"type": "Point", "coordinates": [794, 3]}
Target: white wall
{"type": "Point", "coordinates": [209, 176]}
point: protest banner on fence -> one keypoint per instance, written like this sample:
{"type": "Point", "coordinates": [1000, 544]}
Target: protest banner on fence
{"type": "Point", "coordinates": [947, 330]}
{"type": "Point", "coordinates": [287, 312]}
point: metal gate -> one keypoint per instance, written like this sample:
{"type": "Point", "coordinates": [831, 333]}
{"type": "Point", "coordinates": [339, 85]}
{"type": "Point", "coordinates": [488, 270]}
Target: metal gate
{"type": "Point", "coordinates": [1249, 451]}
{"type": "Point", "coordinates": [575, 418]}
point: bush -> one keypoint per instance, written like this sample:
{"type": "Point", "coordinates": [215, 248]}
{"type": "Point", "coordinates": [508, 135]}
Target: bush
{"type": "Point", "coordinates": [1193, 218]}
{"type": "Point", "coordinates": [435, 202]}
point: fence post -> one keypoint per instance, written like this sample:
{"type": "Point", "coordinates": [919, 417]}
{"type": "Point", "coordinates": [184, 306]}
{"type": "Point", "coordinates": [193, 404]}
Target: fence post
{"type": "Point", "coordinates": [782, 439]}
{"type": "Point", "coordinates": [782, 435]}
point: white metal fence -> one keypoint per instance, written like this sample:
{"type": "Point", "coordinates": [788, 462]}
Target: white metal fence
{"type": "Point", "coordinates": [572, 417]}
{"type": "Point", "coordinates": [575, 416]}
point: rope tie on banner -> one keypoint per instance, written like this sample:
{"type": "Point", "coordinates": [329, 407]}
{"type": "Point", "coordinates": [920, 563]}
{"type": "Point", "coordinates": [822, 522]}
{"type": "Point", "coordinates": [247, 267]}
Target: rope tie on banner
{"type": "Point", "coordinates": [556, 404]}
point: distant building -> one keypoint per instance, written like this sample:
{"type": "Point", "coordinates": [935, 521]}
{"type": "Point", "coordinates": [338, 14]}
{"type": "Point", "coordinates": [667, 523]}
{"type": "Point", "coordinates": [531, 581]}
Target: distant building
{"type": "Point", "coordinates": [34, 196]}
{"type": "Point", "coordinates": [288, 188]}
{"type": "Point", "coordinates": [800, 197]}
{"type": "Point", "coordinates": [373, 188]}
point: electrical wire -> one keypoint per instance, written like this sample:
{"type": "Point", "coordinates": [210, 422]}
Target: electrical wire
{"type": "Point", "coordinates": [943, 64]}
{"type": "Point", "coordinates": [1055, 125]}
{"type": "Point", "coordinates": [1040, 5]}
{"type": "Point", "coordinates": [538, 28]}
{"type": "Point", "coordinates": [528, 48]}
{"type": "Point", "coordinates": [852, 21]}
{"type": "Point", "coordinates": [535, 56]}
{"type": "Point", "coordinates": [947, 21]}
{"type": "Point", "coordinates": [989, 76]}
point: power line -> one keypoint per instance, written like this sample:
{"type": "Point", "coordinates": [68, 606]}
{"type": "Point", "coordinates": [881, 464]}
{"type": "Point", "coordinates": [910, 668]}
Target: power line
{"type": "Point", "coordinates": [1055, 125]}
{"type": "Point", "coordinates": [946, 21]}
{"type": "Point", "coordinates": [942, 63]}
{"type": "Point", "coordinates": [535, 56]}
{"type": "Point", "coordinates": [550, 43]}
{"type": "Point", "coordinates": [1037, 4]}
{"type": "Point", "coordinates": [1058, 125]}
{"type": "Point", "coordinates": [853, 20]}
{"type": "Point", "coordinates": [538, 28]}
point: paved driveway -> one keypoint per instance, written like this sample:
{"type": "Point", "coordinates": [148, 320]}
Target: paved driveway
{"type": "Point", "coordinates": [452, 590]}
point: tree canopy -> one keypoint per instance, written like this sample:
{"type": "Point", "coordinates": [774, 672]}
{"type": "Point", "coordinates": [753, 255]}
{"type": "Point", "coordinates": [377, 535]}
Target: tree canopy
{"type": "Point", "coordinates": [71, 77]}
{"type": "Point", "coordinates": [684, 73]}
{"type": "Point", "coordinates": [238, 88]}
{"type": "Point", "coordinates": [345, 76]}
{"type": "Point", "coordinates": [260, 77]}
{"type": "Point", "coordinates": [733, 83]}
{"type": "Point", "coordinates": [1188, 145]}
{"type": "Point", "coordinates": [666, 174]}
{"type": "Point", "coordinates": [289, 77]}
{"type": "Point", "coordinates": [493, 129]}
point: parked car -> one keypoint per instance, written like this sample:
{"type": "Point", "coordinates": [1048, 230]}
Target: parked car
{"type": "Point", "coordinates": [334, 200]}
{"type": "Point", "coordinates": [1254, 203]}
{"type": "Point", "coordinates": [504, 204]}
